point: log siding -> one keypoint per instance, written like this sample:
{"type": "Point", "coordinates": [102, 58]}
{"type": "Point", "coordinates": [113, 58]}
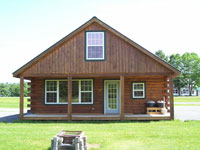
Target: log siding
{"type": "Point", "coordinates": [69, 58]}
{"type": "Point", "coordinates": [154, 91]}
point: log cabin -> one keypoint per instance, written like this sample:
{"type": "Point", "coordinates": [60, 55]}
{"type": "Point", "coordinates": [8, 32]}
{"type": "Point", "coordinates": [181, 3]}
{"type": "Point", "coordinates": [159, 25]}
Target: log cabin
{"type": "Point", "coordinates": [96, 73]}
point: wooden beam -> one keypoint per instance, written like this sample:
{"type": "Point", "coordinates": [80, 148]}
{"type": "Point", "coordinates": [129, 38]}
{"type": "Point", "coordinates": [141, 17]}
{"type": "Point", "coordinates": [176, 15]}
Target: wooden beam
{"type": "Point", "coordinates": [21, 107]}
{"type": "Point", "coordinates": [122, 97]}
{"type": "Point", "coordinates": [171, 91]}
{"type": "Point", "coordinates": [116, 74]}
{"type": "Point", "coordinates": [69, 98]}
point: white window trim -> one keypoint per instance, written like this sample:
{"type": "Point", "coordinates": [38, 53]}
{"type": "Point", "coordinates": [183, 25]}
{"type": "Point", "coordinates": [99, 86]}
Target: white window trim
{"type": "Point", "coordinates": [80, 91]}
{"type": "Point", "coordinates": [57, 91]}
{"type": "Point", "coordinates": [95, 45]}
{"type": "Point", "coordinates": [133, 90]}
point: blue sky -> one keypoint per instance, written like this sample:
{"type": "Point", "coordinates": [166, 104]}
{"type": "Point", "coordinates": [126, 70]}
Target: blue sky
{"type": "Point", "coordinates": [29, 27]}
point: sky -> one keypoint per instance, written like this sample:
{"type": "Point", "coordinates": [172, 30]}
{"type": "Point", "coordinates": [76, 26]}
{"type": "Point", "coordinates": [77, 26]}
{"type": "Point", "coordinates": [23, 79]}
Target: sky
{"type": "Point", "coordinates": [27, 28]}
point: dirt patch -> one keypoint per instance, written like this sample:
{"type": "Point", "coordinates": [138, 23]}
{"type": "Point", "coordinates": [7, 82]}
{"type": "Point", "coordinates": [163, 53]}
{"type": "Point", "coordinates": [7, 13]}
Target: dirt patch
{"type": "Point", "coordinates": [93, 145]}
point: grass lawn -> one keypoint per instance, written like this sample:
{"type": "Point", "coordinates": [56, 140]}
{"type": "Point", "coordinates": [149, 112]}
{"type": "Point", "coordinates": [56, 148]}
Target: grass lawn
{"type": "Point", "coordinates": [187, 99]}
{"type": "Point", "coordinates": [186, 104]}
{"type": "Point", "coordinates": [110, 135]}
{"type": "Point", "coordinates": [11, 102]}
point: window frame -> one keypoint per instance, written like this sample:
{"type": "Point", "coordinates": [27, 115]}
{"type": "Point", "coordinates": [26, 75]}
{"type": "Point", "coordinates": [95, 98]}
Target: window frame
{"type": "Point", "coordinates": [144, 90]}
{"type": "Point", "coordinates": [104, 46]}
{"type": "Point", "coordinates": [57, 91]}
{"type": "Point", "coordinates": [79, 92]}
{"type": "Point", "coordinates": [175, 91]}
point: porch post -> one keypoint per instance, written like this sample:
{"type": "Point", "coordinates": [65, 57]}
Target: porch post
{"type": "Point", "coordinates": [21, 106]}
{"type": "Point", "coordinates": [122, 97]}
{"type": "Point", "coordinates": [69, 98]}
{"type": "Point", "coordinates": [171, 98]}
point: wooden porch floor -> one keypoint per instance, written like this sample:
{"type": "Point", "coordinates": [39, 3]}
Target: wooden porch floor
{"type": "Point", "coordinates": [96, 117]}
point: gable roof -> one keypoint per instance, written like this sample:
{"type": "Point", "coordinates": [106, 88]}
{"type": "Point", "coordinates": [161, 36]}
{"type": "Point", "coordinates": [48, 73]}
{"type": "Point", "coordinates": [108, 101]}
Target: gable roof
{"type": "Point", "coordinates": [92, 20]}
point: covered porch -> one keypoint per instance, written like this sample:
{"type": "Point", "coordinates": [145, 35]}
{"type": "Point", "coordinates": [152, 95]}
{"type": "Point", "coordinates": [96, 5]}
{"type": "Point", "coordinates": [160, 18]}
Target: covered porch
{"type": "Point", "coordinates": [123, 113]}
{"type": "Point", "coordinates": [96, 117]}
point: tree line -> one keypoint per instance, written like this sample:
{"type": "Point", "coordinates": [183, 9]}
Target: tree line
{"type": "Point", "coordinates": [12, 89]}
{"type": "Point", "coordinates": [189, 66]}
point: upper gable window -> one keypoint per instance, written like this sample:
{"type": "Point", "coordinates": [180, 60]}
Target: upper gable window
{"type": "Point", "coordinates": [95, 46]}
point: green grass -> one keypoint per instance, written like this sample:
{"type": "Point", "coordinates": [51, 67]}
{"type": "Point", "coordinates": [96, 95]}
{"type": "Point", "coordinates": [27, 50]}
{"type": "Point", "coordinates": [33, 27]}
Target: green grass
{"type": "Point", "coordinates": [187, 99]}
{"type": "Point", "coordinates": [186, 104]}
{"type": "Point", "coordinates": [164, 135]}
{"type": "Point", "coordinates": [11, 102]}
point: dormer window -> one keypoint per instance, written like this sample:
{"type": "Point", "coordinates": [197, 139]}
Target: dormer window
{"type": "Point", "coordinates": [95, 45]}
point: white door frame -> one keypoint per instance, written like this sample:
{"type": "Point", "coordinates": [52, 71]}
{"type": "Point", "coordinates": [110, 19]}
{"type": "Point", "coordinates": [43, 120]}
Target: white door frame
{"type": "Point", "coordinates": [105, 94]}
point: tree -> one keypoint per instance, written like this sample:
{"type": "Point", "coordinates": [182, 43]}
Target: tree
{"type": "Point", "coordinates": [190, 68]}
{"type": "Point", "coordinates": [162, 55]}
{"type": "Point", "coordinates": [26, 86]}
{"type": "Point", "coordinates": [179, 82]}
{"type": "Point", "coordinates": [4, 90]}
{"type": "Point", "coordinates": [12, 89]}
{"type": "Point", "coordinates": [189, 65]}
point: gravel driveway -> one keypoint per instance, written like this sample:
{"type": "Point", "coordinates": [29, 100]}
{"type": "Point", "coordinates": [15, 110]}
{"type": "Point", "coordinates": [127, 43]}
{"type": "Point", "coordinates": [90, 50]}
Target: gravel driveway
{"type": "Point", "coordinates": [187, 112]}
{"type": "Point", "coordinates": [9, 114]}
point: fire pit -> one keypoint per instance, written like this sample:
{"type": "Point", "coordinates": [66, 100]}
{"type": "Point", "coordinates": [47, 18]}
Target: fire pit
{"type": "Point", "coordinates": [69, 140]}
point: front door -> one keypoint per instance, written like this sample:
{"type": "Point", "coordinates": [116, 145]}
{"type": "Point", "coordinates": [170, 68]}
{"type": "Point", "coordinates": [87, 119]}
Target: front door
{"type": "Point", "coordinates": [111, 97]}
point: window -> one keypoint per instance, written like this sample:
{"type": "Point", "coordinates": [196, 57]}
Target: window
{"type": "Point", "coordinates": [175, 91]}
{"type": "Point", "coordinates": [138, 90]}
{"type": "Point", "coordinates": [75, 91]}
{"type": "Point", "coordinates": [63, 94]}
{"type": "Point", "coordinates": [185, 91]}
{"type": "Point", "coordinates": [56, 91]}
{"type": "Point", "coordinates": [86, 91]}
{"type": "Point", "coordinates": [95, 46]}
{"type": "Point", "coordinates": [112, 96]}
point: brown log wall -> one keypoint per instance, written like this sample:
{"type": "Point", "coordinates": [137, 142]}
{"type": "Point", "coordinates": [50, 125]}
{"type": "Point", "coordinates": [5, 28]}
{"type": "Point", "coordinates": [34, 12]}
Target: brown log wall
{"type": "Point", "coordinates": [38, 105]}
{"type": "Point", "coordinates": [154, 91]}
{"type": "Point", "coordinates": [121, 57]}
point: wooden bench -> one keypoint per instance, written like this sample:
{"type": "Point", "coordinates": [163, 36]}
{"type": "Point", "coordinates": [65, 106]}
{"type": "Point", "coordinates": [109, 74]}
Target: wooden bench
{"type": "Point", "coordinates": [154, 110]}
